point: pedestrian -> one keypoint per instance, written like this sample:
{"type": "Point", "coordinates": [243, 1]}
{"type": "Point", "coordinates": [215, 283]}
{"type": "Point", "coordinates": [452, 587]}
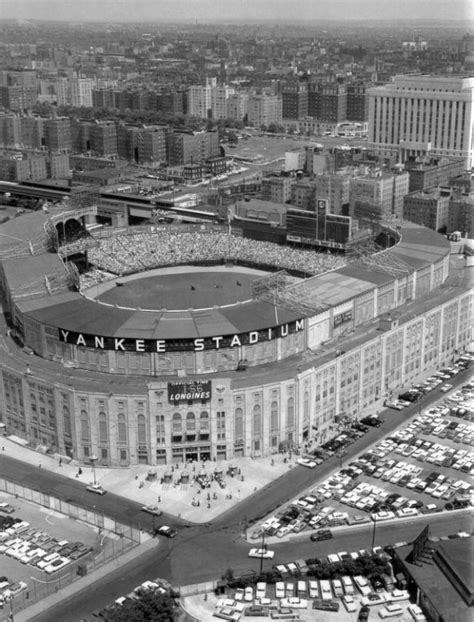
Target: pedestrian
{"type": "Point", "coordinates": [3, 448]}
{"type": "Point", "coordinates": [39, 466]}
{"type": "Point", "coordinates": [159, 499]}
{"type": "Point", "coordinates": [60, 461]}
{"type": "Point", "coordinates": [79, 472]}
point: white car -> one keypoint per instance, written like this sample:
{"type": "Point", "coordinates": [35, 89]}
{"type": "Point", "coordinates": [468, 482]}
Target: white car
{"type": "Point", "coordinates": [279, 589]}
{"type": "Point", "coordinates": [6, 508]}
{"type": "Point", "coordinates": [416, 613]}
{"type": "Point", "coordinates": [57, 564]}
{"type": "Point", "coordinates": [326, 592]}
{"type": "Point", "coordinates": [262, 553]}
{"type": "Point", "coordinates": [306, 462]}
{"type": "Point", "coordinates": [248, 594]}
{"type": "Point", "coordinates": [349, 603]}
{"type": "Point", "coordinates": [47, 560]}
{"type": "Point", "coordinates": [261, 590]}
{"type": "Point", "coordinates": [313, 589]}
{"type": "Point", "coordinates": [97, 488]}
{"type": "Point", "coordinates": [446, 387]}
{"type": "Point", "coordinates": [294, 602]}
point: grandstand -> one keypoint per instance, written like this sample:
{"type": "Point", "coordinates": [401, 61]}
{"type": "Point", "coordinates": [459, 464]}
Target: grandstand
{"type": "Point", "coordinates": [126, 254]}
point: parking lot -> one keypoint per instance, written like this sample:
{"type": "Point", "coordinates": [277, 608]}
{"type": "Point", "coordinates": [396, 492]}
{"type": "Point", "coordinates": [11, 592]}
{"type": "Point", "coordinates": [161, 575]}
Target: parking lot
{"type": "Point", "coordinates": [424, 466]}
{"type": "Point", "coordinates": [41, 550]}
{"type": "Point", "coordinates": [237, 604]}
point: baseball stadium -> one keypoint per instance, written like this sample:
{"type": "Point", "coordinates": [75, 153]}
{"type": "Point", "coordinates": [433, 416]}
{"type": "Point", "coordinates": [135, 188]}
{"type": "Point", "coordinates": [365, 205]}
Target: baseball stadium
{"type": "Point", "coordinates": [159, 344]}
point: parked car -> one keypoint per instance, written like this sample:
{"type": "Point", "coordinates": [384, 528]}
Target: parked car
{"type": "Point", "coordinates": [6, 508]}
{"type": "Point", "coordinates": [364, 613]}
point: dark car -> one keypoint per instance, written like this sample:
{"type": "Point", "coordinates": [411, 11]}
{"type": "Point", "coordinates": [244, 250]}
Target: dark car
{"type": "Point", "coordinates": [377, 584]}
{"type": "Point", "coordinates": [363, 614]}
{"type": "Point", "coordinates": [321, 534]}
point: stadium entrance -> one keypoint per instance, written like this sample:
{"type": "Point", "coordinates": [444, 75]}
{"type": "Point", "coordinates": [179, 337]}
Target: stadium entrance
{"type": "Point", "coordinates": [191, 454]}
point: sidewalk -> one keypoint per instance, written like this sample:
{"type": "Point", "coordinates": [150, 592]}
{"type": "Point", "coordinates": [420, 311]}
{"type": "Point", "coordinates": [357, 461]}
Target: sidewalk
{"type": "Point", "coordinates": [173, 498]}
{"type": "Point", "coordinates": [84, 582]}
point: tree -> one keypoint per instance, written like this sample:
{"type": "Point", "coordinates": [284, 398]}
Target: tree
{"type": "Point", "coordinates": [149, 606]}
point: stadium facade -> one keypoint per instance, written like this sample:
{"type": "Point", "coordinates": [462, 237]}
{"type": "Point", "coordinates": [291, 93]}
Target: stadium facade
{"type": "Point", "coordinates": [122, 386]}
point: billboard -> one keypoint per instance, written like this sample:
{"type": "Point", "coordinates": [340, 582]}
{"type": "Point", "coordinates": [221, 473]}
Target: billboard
{"type": "Point", "coordinates": [189, 391]}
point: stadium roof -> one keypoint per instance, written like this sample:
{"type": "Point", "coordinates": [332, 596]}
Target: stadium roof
{"type": "Point", "coordinates": [71, 311]}
{"type": "Point", "coordinates": [23, 229]}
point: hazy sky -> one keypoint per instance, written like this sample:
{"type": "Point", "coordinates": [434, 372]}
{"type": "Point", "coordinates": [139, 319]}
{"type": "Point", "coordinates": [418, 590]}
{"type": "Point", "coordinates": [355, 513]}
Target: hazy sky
{"type": "Point", "coordinates": [222, 10]}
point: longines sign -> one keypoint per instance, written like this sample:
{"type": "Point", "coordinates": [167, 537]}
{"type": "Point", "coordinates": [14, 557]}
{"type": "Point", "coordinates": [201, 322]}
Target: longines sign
{"type": "Point", "coordinates": [127, 344]}
{"type": "Point", "coordinates": [189, 391]}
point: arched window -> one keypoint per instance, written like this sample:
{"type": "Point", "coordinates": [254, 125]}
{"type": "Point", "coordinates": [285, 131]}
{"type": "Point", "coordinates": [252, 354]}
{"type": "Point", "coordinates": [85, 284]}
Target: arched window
{"type": "Point", "coordinates": [204, 420]}
{"type": "Point", "coordinates": [103, 432]}
{"type": "Point", "coordinates": [66, 420]}
{"type": "Point", "coordinates": [239, 424]}
{"type": "Point", "coordinates": [85, 432]}
{"type": "Point", "coordinates": [190, 422]}
{"type": "Point", "coordinates": [257, 420]}
{"type": "Point", "coordinates": [290, 413]}
{"type": "Point", "coordinates": [274, 416]}
{"type": "Point", "coordinates": [141, 430]}
{"type": "Point", "coordinates": [177, 424]}
{"type": "Point", "coordinates": [122, 428]}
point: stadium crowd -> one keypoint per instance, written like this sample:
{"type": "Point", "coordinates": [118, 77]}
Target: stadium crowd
{"type": "Point", "coordinates": [125, 254]}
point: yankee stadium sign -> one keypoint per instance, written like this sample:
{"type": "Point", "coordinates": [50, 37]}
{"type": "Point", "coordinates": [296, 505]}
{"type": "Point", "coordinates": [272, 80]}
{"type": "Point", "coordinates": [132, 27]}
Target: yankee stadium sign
{"type": "Point", "coordinates": [128, 344]}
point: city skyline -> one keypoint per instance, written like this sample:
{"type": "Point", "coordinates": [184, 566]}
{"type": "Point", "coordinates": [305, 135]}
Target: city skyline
{"type": "Point", "coordinates": [227, 10]}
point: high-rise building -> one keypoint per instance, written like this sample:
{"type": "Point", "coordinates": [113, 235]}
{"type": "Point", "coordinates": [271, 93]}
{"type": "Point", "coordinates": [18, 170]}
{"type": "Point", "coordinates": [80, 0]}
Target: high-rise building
{"type": "Point", "coordinates": [294, 97]}
{"type": "Point", "coordinates": [58, 134]}
{"type": "Point", "coordinates": [23, 167]}
{"type": "Point", "coordinates": [185, 147]}
{"type": "Point", "coordinates": [18, 98]}
{"type": "Point", "coordinates": [334, 188]}
{"type": "Point", "coordinates": [199, 101]}
{"type": "Point", "coordinates": [264, 109]}
{"type": "Point", "coordinates": [10, 130]}
{"type": "Point", "coordinates": [81, 92]}
{"type": "Point", "coordinates": [357, 102]}
{"type": "Point", "coordinates": [378, 195]}
{"type": "Point", "coordinates": [142, 144]}
{"type": "Point", "coordinates": [237, 106]}
{"type": "Point", "coordinates": [277, 189]}
{"type": "Point", "coordinates": [57, 165]}
{"type": "Point", "coordinates": [33, 132]}
{"type": "Point", "coordinates": [426, 172]}
{"type": "Point", "coordinates": [63, 91]}
{"type": "Point", "coordinates": [328, 102]}
{"type": "Point", "coordinates": [422, 114]}
{"type": "Point", "coordinates": [461, 214]}
{"type": "Point", "coordinates": [219, 97]}
{"type": "Point", "coordinates": [428, 208]}
{"type": "Point", "coordinates": [103, 138]}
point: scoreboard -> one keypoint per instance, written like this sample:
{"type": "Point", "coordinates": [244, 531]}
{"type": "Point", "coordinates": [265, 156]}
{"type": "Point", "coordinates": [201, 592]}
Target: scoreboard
{"type": "Point", "coordinates": [317, 228]}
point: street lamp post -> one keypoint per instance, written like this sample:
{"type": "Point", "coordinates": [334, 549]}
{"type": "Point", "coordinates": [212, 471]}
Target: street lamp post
{"type": "Point", "coordinates": [262, 552]}
{"type": "Point", "coordinates": [373, 531]}
{"type": "Point", "coordinates": [93, 460]}
{"type": "Point", "coordinates": [10, 600]}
